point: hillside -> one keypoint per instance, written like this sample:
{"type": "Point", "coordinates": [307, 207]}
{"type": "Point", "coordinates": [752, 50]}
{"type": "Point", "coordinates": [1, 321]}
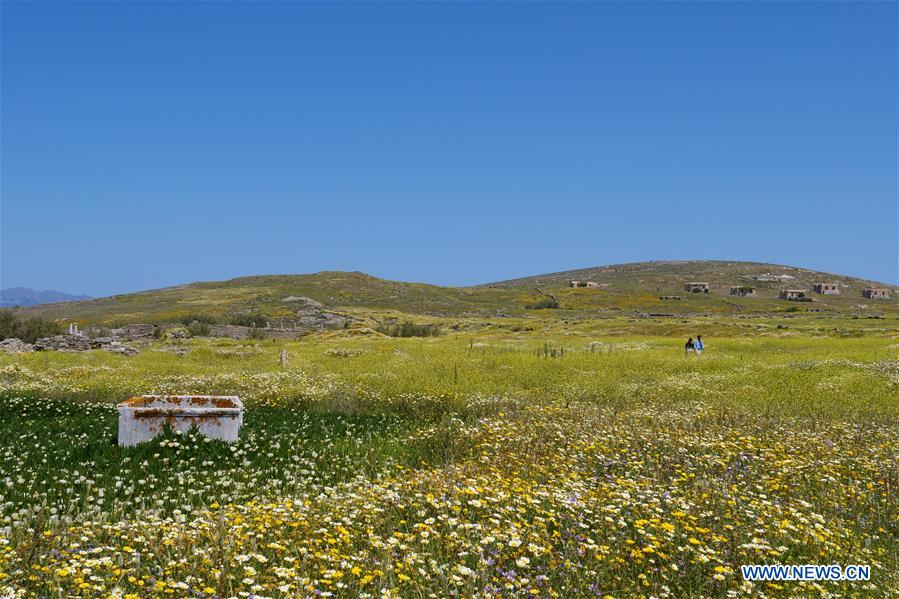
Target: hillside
{"type": "Point", "coordinates": [626, 288]}
{"type": "Point", "coordinates": [670, 275]}
{"type": "Point", "coordinates": [267, 294]}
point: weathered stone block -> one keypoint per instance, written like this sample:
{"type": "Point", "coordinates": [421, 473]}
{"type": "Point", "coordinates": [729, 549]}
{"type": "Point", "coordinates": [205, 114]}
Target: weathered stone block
{"type": "Point", "coordinates": [215, 416]}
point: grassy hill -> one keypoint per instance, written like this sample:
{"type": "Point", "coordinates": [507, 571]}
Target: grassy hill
{"type": "Point", "coordinates": [642, 283]}
{"type": "Point", "coordinates": [669, 275]}
{"type": "Point", "coordinates": [266, 294]}
{"type": "Point", "coordinates": [624, 289]}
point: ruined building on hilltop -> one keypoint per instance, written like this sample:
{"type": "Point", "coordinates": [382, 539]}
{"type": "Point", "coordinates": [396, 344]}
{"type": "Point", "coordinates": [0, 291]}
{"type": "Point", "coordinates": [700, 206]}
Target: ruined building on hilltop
{"type": "Point", "coordinates": [827, 288]}
{"type": "Point", "coordinates": [694, 287]}
{"type": "Point", "coordinates": [795, 295]}
{"type": "Point", "coordinates": [876, 293]}
{"type": "Point", "coordinates": [742, 291]}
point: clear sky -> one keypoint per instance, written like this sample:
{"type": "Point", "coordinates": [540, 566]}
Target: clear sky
{"type": "Point", "coordinates": [157, 143]}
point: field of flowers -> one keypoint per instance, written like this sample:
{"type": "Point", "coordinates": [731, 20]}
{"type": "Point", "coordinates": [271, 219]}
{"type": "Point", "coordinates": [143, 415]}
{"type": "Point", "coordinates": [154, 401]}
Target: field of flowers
{"type": "Point", "coordinates": [475, 464]}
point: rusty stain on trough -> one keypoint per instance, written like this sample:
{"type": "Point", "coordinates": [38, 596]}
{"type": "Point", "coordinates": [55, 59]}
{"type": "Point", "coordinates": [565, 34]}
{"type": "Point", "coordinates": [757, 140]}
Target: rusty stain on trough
{"type": "Point", "coordinates": [143, 417]}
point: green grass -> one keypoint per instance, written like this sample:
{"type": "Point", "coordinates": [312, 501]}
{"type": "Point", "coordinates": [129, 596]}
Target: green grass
{"type": "Point", "coordinates": [493, 361]}
{"type": "Point", "coordinates": [510, 457]}
{"type": "Point", "coordinates": [70, 453]}
{"type": "Point", "coordinates": [409, 329]}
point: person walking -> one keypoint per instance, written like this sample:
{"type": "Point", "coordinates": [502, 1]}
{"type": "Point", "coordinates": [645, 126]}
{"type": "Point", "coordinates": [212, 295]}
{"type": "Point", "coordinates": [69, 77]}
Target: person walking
{"type": "Point", "coordinates": [698, 345]}
{"type": "Point", "coordinates": [689, 346]}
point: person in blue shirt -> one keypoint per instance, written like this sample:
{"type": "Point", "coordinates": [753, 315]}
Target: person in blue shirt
{"type": "Point", "coordinates": [698, 346]}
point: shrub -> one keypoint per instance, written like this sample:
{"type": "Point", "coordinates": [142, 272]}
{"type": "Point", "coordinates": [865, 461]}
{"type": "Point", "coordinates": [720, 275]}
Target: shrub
{"type": "Point", "coordinates": [257, 333]}
{"type": "Point", "coordinates": [409, 329]}
{"type": "Point", "coordinates": [550, 351]}
{"type": "Point", "coordinates": [28, 330]}
{"type": "Point", "coordinates": [253, 319]}
{"type": "Point", "coordinates": [199, 329]}
{"type": "Point", "coordinates": [543, 303]}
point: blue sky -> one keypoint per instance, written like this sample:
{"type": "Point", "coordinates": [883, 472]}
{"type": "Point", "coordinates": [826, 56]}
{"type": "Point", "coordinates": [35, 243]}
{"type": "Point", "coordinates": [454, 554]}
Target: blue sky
{"type": "Point", "coordinates": [151, 144]}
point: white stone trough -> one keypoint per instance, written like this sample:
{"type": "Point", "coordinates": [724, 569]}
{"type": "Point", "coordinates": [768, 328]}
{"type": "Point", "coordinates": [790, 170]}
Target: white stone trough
{"type": "Point", "coordinates": [143, 417]}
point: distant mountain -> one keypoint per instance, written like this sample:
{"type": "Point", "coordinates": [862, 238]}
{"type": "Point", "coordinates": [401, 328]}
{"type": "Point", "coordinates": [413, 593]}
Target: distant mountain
{"type": "Point", "coordinates": [23, 296]}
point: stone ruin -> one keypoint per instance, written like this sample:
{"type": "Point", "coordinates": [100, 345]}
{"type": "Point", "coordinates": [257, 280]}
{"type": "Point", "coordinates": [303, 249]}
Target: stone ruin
{"type": "Point", "coordinates": [15, 346]}
{"type": "Point", "coordinates": [696, 287]}
{"type": "Point", "coordinates": [74, 343]}
{"type": "Point", "coordinates": [66, 343]}
{"type": "Point", "coordinates": [826, 288]}
{"type": "Point", "coordinates": [795, 295]}
{"type": "Point", "coordinates": [876, 293]}
{"type": "Point", "coordinates": [311, 314]}
{"type": "Point", "coordinates": [134, 332]}
{"type": "Point", "coordinates": [742, 291]}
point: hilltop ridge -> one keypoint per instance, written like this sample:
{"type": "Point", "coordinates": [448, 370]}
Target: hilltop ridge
{"type": "Point", "coordinates": [719, 272]}
{"type": "Point", "coordinates": [635, 287]}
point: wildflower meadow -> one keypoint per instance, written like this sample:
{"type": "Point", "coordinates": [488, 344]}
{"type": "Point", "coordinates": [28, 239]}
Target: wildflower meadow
{"type": "Point", "coordinates": [479, 463]}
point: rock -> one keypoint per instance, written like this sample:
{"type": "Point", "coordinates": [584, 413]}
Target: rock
{"type": "Point", "coordinates": [66, 343]}
{"type": "Point", "coordinates": [177, 333]}
{"type": "Point", "coordinates": [312, 315]}
{"type": "Point", "coordinates": [117, 348]}
{"type": "Point", "coordinates": [308, 301]}
{"type": "Point", "coordinates": [79, 343]}
{"type": "Point", "coordinates": [134, 332]}
{"type": "Point", "coordinates": [15, 346]}
{"type": "Point", "coordinates": [321, 320]}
